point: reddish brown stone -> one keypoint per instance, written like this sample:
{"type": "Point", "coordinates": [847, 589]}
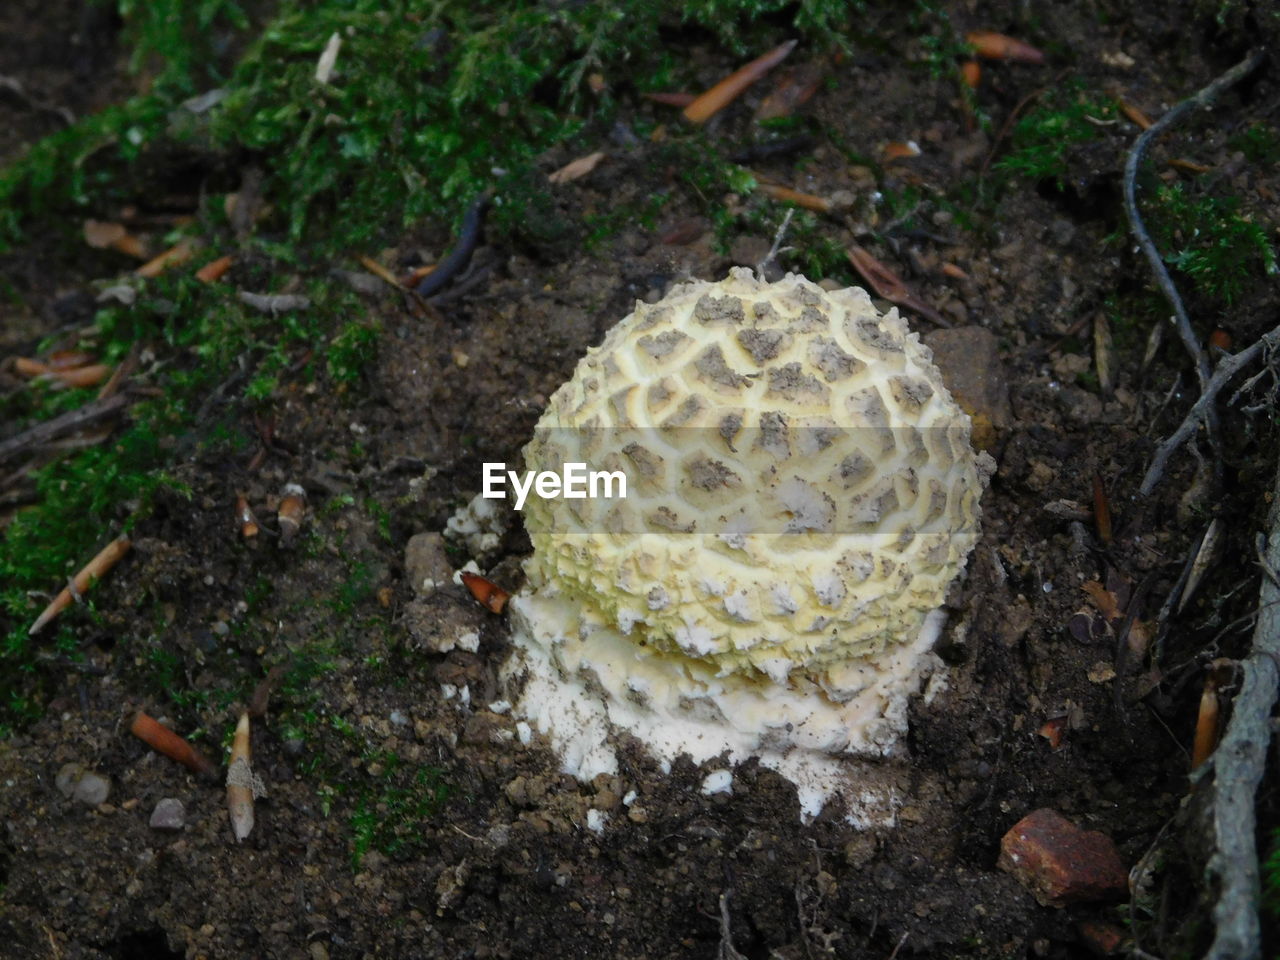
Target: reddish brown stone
{"type": "Point", "coordinates": [1060, 863]}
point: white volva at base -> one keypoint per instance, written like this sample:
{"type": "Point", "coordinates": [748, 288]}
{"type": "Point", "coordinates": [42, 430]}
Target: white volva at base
{"type": "Point", "coordinates": [584, 681]}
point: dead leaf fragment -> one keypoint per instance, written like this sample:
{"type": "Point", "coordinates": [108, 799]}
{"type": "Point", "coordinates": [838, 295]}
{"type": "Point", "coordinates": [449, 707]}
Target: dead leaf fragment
{"type": "Point", "coordinates": [491, 596]}
{"type": "Point", "coordinates": [68, 359]}
{"type": "Point", "coordinates": [214, 271]}
{"type": "Point", "coordinates": [92, 572]}
{"type": "Point", "coordinates": [900, 150]}
{"type": "Point", "coordinates": [577, 168]}
{"type": "Point", "coordinates": [1103, 599]}
{"type": "Point", "coordinates": [100, 235]}
{"type": "Point", "coordinates": [807, 200]}
{"type": "Point", "coordinates": [176, 255]}
{"type": "Point", "coordinates": [1053, 730]}
{"type": "Point", "coordinates": [387, 277]}
{"type": "Point", "coordinates": [887, 284]}
{"type": "Point", "coordinates": [27, 367]}
{"type": "Point", "coordinates": [87, 376]}
{"type": "Point", "coordinates": [1101, 510]}
{"type": "Point", "coordinates": [795, 88]}
{"type": "Point", "coordinates": [997, 46]}
{"type": "Point", "coordinates": [1101, 672]}
{"type": "Point", "coordinates": [113, 236]}
{"type": "Point", "coordinates": [1136, 115]}
{"type": "Point", "coordinates": [680, 100]}
{"type": "Point", "coordinates": [1189, 166]}
{"type": "Point", "coordinates": [727, 90]}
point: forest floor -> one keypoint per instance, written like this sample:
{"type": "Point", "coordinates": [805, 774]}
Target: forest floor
{"type": "Point", "coordinates": [402, 820]}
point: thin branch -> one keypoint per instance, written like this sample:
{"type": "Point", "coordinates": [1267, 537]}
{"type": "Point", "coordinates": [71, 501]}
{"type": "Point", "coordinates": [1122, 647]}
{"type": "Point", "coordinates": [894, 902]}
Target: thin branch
{"type": "Point", "coordinates": [777, 243]}
{"type": "Point", "coordinates": [1227, 369]}
{"type": "Point", "coordinates": [1238, 765]}
{"type": "Point", "coordinates": [72, 420]}
{"type": "Point", "coordinates": [726, 950]}
{"type": "Point", "coordinates": [1181, 321]}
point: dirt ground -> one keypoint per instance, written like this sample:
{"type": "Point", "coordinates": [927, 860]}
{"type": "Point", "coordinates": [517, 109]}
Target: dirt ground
{"type": "Point", "coordinates": [503, 865]}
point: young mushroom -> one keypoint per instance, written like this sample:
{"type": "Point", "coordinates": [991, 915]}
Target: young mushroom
{"type": "Point", "coordinates": [801, 492]}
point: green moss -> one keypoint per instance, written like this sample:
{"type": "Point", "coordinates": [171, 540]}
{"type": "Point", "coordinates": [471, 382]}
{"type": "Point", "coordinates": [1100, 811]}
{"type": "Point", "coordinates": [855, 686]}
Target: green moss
{"type": "Point", "coordinates": [175, 38]}
{"type": "Point", "coordinates": [89, 164]}
{"type": "Point", "coordinates": [426, 102]}
{"type": "Point", "coordinates": [1271, 878]}
{"type": "Point", "coordinates": [389, 809]}
{"type": "Point", "coordinates": [1042, 141]}
{"type": "Point", "coordinates": [1210, 240]}
{"type": "Point", "coordinates": [1259, 142]}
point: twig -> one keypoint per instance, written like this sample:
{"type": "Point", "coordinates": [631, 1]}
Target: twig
{"type": "Point", "coordinates": [1181, 320]}
{"type": "Point", "coordinates": [1248, 385]}
{"type": "Point", "coordinates": [122, 373]}
{"type": "Point", "coordinates": [1210, 389]}
{"type": "Point", "coordinates": [726, 950]}
{"type": "Point", "coordinates": [777, 243]}
{"type": "Point", "coordinates": [1238, 764]}
{"type": "Point", "coordinates": [42, 433]}
{"type": "Point", "coordinates": [474, 276]}
{"type": "Point", "coordinates": [15, 87]}
{"type": "Point", "coordinates": [460, 255]}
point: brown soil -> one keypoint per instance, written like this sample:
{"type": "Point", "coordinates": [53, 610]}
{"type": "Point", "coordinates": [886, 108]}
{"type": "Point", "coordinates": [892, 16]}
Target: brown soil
{"type": "Point", "coordinates": [506, 867]}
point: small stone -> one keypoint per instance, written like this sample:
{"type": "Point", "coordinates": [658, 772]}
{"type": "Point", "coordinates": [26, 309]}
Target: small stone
{"type": "Point", "coordinates": [68, 776]}
{"type": "Point", "coordinates": [77, 783]}
{"type": "Point", "coordinates": [169, 814]}
{"type": "Point", "coordinates": [605, 800]}
{"type": "Point", "coordinates": [426, 564]}
{"type": "Point", "coordinates": [969, 360]}
{"type": "Point", "coordinates": [485, 727]}
{"type": "Point", "coordinates": [1059, 863]}
{"type": "Point", "coordinates": [92, 789]}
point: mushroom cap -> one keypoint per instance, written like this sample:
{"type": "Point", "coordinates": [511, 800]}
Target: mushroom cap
{"type": "Point", "coordinates": [801, 488]}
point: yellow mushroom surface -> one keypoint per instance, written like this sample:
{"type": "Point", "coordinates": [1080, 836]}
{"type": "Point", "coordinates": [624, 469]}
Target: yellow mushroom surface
{"type": "Point", "coordinates": [800, 493]}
